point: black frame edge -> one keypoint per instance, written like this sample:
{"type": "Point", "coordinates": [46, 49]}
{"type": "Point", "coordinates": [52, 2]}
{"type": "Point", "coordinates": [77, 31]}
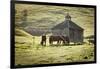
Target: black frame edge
{"type": "Point", "coordinates": [12, 20]}
{"type": "Point", "coordinates": [12, 33]}
{"type": "Point", "coordinates": [52, 3]}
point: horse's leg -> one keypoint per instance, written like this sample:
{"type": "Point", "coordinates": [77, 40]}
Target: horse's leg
{"type": "Point", "coordinates": [68, 42]}
{"type": "Point", "coordinates": [42, 43]}
{"type": "Point", "coordinates": [50, 41]}
{"type": "Point", "coordinates": [60, 42]}
{"type": "Point", "coordinates": [63, 42]}
{"type": "Point", "coordinates": [57, 42]}
{"type": "Point", "coordinates": [45, 42]}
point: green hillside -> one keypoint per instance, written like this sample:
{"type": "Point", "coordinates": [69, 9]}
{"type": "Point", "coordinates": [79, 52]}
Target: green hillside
{"type": "Point", "coordinates": [19, 32]}
{"type": "Point", "coordinates": [23, 38]}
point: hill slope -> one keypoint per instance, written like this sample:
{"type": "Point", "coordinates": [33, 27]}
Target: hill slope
{"type": "Point", "coordinates": [23, 38]}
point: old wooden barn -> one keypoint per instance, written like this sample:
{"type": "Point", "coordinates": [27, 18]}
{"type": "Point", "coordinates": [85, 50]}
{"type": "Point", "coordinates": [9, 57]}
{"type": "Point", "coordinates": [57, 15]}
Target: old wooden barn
{"type": "Point", "coordinates": [70, 29]}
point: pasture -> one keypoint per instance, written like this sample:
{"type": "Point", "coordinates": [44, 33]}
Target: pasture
{"type": "Point", "coordinates": [28, 51]}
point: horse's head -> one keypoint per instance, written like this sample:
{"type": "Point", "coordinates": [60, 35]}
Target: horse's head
{"type": "Point", "coordinates": [67, 39]}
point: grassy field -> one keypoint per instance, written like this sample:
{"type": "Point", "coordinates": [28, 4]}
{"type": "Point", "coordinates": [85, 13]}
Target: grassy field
{"type": "Point", "coordinates": [52, 54]}
{"type": "Point", "coordinates": [28, 51]}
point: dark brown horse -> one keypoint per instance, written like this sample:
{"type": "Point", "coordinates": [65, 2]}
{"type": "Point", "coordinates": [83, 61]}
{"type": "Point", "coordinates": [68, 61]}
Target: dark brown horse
{"type": "Point", "coordinates": [43, 41]}
{"type": "Point", "coordinates": [58, 39]}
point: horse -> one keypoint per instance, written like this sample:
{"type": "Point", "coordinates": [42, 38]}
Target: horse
{"type": "Point", "coordinates": [58, 39]}
{"type": "Point", "coordinates": [43, 41]}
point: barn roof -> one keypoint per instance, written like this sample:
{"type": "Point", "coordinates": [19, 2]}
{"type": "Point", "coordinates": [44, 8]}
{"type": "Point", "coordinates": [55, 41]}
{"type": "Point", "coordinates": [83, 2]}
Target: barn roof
{"type": "Point", "coordinates": [64, 24]}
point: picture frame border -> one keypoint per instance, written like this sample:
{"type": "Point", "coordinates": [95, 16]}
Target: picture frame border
{"type": "Point", "coordinates": [12, 33]}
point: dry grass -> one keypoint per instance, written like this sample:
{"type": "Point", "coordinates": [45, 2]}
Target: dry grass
{"type": "Point", "coordinates": [34, 53]}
